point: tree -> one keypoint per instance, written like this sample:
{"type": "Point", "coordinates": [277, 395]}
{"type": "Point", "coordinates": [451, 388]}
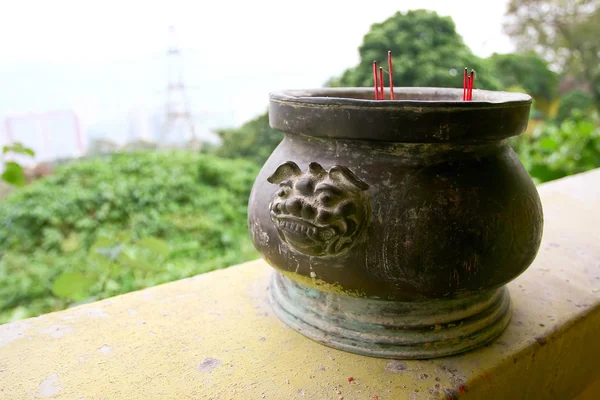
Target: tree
{"type": "Point", "coordinates": [564, 32]}
{"type": "Point", "coordinates": [255, 140]}
{"type": "Point", "coordinates": [426, 50]}
{"type": "Point", "coordinates": [528, 71]}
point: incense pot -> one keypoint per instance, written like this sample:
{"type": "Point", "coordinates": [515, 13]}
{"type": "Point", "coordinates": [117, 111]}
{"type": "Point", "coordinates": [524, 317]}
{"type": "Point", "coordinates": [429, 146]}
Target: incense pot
{"type": "Point", "coordinates": [394, 226]}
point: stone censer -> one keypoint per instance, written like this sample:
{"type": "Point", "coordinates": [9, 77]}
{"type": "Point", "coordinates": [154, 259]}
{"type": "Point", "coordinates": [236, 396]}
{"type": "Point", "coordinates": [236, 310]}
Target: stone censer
{"type": "Point", "coordinates": [394, 225]}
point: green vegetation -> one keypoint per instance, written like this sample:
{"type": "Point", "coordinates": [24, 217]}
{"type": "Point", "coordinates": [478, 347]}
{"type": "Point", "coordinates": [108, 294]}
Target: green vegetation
{"type": "Point", "coordinates": [13, 173]}
{"type": "Point", "coordinates": [106, 226]}
{"type": "Point", "coordinates": [527, 71]}
{"type": "Point", "coordinates": [555, 150]}
{"type": "Point", "coordinates": [572, 102]}
{"type": "Point", "coordinates": [255, 140]}
{"type": "Point", "coordinates": [426, 51]}
{"type": "Point", "coordinates": [564, 33]}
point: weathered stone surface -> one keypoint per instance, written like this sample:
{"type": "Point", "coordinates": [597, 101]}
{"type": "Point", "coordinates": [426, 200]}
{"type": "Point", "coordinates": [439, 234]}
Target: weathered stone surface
{"type": "Point", "coordinates": [215, 337]}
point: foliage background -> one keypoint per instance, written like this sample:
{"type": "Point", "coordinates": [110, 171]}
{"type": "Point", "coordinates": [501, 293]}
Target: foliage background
{"type": "Point", "coordinates": [110, 225]}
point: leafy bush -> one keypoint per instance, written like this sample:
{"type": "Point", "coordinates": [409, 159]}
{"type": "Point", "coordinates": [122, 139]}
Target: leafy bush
{"type": "Point", "coordinates": [13, 173]}
{"type": "Point", "coordinates": [573, 101]}
{"type": "Point", "coordinates": [255, 140]}
{"type": "Point", "coordinates": [555, 150]}
{"type": "Point", "coordinates": [106, 226]}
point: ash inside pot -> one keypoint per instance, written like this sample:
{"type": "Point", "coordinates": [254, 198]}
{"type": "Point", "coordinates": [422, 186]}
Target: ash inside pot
{"type": "Point", "coordinates": [409, 94]}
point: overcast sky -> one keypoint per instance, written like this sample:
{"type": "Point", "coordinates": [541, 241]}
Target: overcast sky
{"type": "Point", "coordinates": [104, 58]}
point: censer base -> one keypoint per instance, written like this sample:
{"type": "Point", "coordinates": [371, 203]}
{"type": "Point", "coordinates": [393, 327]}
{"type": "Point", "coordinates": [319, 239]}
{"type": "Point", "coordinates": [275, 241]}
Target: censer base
{"type": "Point", "coordinates": [391, 329]}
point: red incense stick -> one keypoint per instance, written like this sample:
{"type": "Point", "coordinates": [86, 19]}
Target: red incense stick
{"type": "Point", "coordinates": [465, 85]}
{"type": "Point", "coordinates": [469, 86]}
{"type": "Point", "coordinates": [375, 80]}
{"type": "Point", "coordinates": [390, 73]}
{"type": "Point", "coordinates": [381, 83]}
{"type": "Point", "coordinates": [472, 83]}
{"type": "Point", "coordinates": [470, 91]}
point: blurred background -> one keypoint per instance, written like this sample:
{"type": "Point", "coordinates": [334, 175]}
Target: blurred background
{"type": "Point", "coordinates": [132, 131]}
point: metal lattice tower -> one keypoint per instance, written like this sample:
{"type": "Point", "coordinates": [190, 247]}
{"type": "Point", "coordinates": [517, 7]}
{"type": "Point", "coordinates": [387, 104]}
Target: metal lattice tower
{"type": "Point", "coordinates": [177, 109]}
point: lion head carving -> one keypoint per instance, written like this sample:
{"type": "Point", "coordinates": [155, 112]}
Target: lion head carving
{"type": "Point", "coordinates": [319, 213]}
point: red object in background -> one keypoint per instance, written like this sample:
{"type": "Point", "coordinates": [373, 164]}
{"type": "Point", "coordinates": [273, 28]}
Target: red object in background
{"type": "Point", "coordinates": [42, 120]}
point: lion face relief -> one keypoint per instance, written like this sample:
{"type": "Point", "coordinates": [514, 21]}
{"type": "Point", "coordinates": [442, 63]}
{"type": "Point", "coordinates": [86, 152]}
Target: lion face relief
{"type": "Point", "coordinates": [319, 213]}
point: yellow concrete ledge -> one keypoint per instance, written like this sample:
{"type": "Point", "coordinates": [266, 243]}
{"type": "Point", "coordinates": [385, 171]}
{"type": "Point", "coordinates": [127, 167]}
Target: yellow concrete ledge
{"type": "Point", "coordinates": [214, 337]}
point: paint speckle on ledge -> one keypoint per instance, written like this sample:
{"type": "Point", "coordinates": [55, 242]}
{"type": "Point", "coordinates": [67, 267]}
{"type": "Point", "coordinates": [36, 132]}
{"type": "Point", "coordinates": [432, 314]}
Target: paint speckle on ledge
{"type": "Point", "coordinates": [11, 332]}
{"type": "Point", "coordinates": [49, 386]}
{"type": "Point", "coordinates": [57, 330]}
{"type": "Point", "coordinates": [104, 349]}
{"type": "Point", "coordinates": [95, 312]}
{"type": "Point", "coordinates": [396, 366]}
{"type": "Point", "coordinates": [208, 364]}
